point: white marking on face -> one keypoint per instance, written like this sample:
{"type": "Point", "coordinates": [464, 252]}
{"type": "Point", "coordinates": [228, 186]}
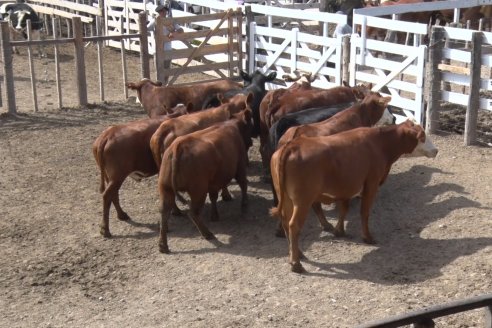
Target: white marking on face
{"type": "Point", "coordinates": [426, 149]}
{"type": "Point", "coordinates": [386, 119]}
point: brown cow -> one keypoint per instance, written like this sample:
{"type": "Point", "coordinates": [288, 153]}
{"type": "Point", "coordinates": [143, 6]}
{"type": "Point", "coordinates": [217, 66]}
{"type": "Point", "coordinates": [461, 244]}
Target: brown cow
{"type": "Point", "coordinates": [368, 112]}
{"type": "Point", "coordinates": [157, 99]}
{"type": "Point", "coordinates": [299, 99]}
{"type": "Point", "coordinates": [171, 129]}
{"type": "Point", "coordinates": [204, 162]}
{"type": "Point", "coordinates": [123, 150]}
{"type": "Point", "coordinates": [336, 168]}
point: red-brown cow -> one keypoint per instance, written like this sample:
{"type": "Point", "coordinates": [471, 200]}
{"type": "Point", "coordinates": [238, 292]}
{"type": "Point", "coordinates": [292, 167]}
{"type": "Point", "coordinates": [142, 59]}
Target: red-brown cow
{"type": "Point", "coordinates": [171, 129]}
{"type": "Point", "coordinates": [368, 112]}
{"type": "Point", "coordinates": [123, 150]}
{"type": "Point", "coordinates": [157, 99]}
{"type": "Point", "coordinates": [299, 99]}
{"type": "Point", "coordinates": [204, 162]}
{"type": "Point", "coordinates": [336, 168]}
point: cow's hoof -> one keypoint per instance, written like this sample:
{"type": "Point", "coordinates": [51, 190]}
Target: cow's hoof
{"type": "Point", "coordinates": [329, 228]}
{"type": "Point", "coordinates": [209, 236]}
{"type": "Point", "coordinates": [164, 249]}
{"type": "Point", "coordinates": [369, 240]}
{"type": "Point", "coordinates": [226, 197]}
{"type": "Point", "coordinates": [177, 212]}
{"type": "Point", "coordinates": [105, 232]}
{"type": "Point", "coordinates": [338, 232]}
{"type": "Point", "coordinates": [280, 233]}
{"type": "Point", "coordinates": [297, 268]}
{"type": "Point", "coordinates": [124, 217]}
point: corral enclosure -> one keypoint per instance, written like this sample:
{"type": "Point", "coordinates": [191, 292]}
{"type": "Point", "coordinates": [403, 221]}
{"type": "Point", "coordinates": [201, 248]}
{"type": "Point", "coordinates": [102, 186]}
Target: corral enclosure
{"type": "Point", "coordinates": [431, 221]}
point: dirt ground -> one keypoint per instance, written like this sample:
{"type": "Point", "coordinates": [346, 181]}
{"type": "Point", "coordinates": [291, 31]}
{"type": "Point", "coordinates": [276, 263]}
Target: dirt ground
{"type": "Point", "coordinates": [431, 220]}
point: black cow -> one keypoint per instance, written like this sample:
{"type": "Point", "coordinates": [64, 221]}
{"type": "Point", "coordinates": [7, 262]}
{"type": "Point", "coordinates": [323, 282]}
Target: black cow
{"type": "Point", "coordinates": [18, 14]}
{"type": "Point", "coordinates": [253, 83]}
{"type": "Point", "coordinates": [306, 116]}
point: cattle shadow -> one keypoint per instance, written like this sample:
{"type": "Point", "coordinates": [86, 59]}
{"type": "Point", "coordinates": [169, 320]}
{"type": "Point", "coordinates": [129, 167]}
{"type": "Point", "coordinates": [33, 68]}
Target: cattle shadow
{"type": "Point", "coordinates": [423, 259]}
{"type": "Point", "coordinates": [406, 204]}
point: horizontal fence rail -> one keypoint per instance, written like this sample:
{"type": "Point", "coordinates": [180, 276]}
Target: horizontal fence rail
{"type": "Point", "coordinates": [424, 317]}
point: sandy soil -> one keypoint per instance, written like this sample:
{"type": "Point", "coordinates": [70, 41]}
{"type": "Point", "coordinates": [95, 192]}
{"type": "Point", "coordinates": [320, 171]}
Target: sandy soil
{"type": "Point", "coordinates": [431, 221]}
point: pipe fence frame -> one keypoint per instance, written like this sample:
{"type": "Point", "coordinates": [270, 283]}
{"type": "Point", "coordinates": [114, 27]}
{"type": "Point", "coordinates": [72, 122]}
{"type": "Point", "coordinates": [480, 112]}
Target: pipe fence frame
{"type": "Point", "coordinates": [424, 318]}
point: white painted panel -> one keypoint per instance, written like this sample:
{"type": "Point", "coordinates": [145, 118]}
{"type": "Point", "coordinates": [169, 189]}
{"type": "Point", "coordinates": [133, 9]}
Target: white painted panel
{"type": "Point", "coordinates": [455, 98]}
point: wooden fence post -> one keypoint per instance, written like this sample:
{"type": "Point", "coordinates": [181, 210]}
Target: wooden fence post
{"type": "Point", "coordinates": [8, 71]}
{"type": "Point", "coordinates": [159, 49]}
{"type": "Point", "coordinates": [345, 58]}
{"type": "Point", "coordinates": [433, 79]}
{"type": "Point", "coordinates": [144, 44]}
{"type": "Point", "coordinates": [79, 60]}
{"type": "Point", "coordinates": [474, 94]}
{"type": "Point", "coordinates": [249, 19]}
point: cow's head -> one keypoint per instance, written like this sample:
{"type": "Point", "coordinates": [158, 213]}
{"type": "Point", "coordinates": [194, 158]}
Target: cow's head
{"type": "Point", "coordinates": [245, 124]}
{"type": "Point", "coordinates": [424, 146]}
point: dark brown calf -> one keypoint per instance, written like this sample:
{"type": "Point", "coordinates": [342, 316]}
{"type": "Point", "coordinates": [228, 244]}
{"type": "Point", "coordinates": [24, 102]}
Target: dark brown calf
{"type": "Point", "coordinates": [123, 150]}
{"type": "Point", "coordinates": [336, 168]}
{"type": "Point", "coordinates": [204, 162]}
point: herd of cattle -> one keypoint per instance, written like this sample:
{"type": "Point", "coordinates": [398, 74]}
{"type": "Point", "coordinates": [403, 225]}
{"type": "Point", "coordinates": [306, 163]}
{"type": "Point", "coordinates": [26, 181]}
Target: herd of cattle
{"type": "Point", "coordinates": [317, 146]}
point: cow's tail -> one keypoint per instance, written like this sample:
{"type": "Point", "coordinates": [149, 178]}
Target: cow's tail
{"type": "Point", "coordinates": [98, 151]}
{"type": "Point", "coordinates": [279, 160]}
{"type": "Point", "coordinates": [156, 147]}
{"type": "Point", "coordinates": [174, 156]}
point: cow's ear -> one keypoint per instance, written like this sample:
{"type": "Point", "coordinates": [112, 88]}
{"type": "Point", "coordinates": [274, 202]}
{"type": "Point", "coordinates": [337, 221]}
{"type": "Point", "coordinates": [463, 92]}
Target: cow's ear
{"type": "Point", "coordinates": [245, 76]}
{"type": "Point", "coordinates": [384, 101]}
{"type": "Point", "coordinates": [272, 76]}
{"type": "Point", "coordinates": [248, 114]}
{"type": "Point", "coordinates": [358, 94]}
{"type": "Point", "coordinates": [221, 98]}
{"type": "Point", "coordinates": [189, 107]}
{"type": "Point", "coordinates": [249, 99]}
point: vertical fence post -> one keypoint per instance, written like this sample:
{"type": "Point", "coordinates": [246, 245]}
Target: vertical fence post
{"type": "Point", "coordinates": [144, 45]}
{"type": "Point", "coordinates": [31, 68]}
{"type": "Point", "coordinates": [433, 79]}
{"type": "Point", "coordinates": [100, 58]}
{"type": "Point", "coordinates": [79, 61]}
{"type": "Point", "coordinates": [345, 58]}
{"type": "Point", "coordinates": [230, 40]}
{"type": "Point", "coordinates": [55, 23]}
{"type": "Point", "coordinates": [249, 19]}
{"type": "Point", "coordinates": [474, 94]}
{"type": "Point", "coordinates": [8, 71]}
{"type": "Point", "coordinates": [123, 60]}
{"type": "Point", "coordinates": [239, 37]}
{"type": "Point", "coordinates": [159, 49]}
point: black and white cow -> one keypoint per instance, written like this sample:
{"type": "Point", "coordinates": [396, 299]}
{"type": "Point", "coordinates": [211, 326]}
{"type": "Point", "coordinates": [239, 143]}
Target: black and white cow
{"type": "Point", "coordinates": [18, 14]}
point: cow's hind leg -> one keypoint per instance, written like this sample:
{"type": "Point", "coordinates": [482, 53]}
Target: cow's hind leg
{"type": "Point", "coordinates": [196, 206]}
{"type": "Point", "coordinates": [343, 207]}
{"type": "Point", "coordinates": [110, 195]}
{"type": "Point", "coordinates": [318, 210]}
{"type": "Point", "coordinates": [214, 213]}
{"type": "Point", "coordinates": [166, 206]}
{"type": "Point", "coordinates": [226, 195]}
{"type": "Point", "coordinates": [296, 223]}
{"type": "Point", "coordinates": [368, 196]}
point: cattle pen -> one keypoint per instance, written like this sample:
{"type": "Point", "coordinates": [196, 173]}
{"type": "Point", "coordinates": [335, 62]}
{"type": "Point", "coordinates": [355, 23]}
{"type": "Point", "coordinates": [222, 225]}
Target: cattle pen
{"type": "Point", "coordinates": [431, 219]}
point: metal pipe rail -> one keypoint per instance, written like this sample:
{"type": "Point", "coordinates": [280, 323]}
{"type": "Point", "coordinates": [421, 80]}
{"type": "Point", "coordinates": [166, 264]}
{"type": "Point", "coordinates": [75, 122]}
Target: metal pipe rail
{"type": "Point", "coordinates": [424, 317]}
